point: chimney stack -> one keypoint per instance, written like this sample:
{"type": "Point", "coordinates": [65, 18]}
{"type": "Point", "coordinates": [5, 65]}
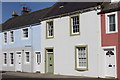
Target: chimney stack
{"type": "Point", "coordinates": [14, 14]}
{"type": "Point", "coordinates": [25, 10]}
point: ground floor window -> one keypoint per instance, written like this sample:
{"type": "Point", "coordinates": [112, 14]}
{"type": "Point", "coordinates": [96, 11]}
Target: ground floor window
{"type": "Point", "coordinates": [27, 57]}
{"type": "Point", "coordinates": [11, 58]}
{"type": "Point", "coordinates": [5, 58]}
{"type": "Point", "coordinates": [38, 57]}
{"type": "Point", "coordinates": [81, 57]}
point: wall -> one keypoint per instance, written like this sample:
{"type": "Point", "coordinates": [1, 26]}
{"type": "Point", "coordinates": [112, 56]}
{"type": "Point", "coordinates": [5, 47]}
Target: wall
{"type": "Point", "coordinates": [0, 50]}
{"type": "Point", "coordinates": [109, 39]}
{"type": "Point", "coordinates": [31, 44]}
{"type": "Point", "coordinates": [64, 45]}
{"type": "Point", "coordinates": [118, 59]}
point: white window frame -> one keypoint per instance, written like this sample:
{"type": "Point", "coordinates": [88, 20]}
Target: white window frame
{"type": "Point", "coordinates": [37, 57]}
{"type": "Point", "coordinates": [25, 57]}
{"type": "Point", "coordinates": [47, 31]}
{"type": "Point", "coordinates": [77, 67]}
{"type": "Point", "coordinates": [4, 58]}
{"type": "Point", "coordinates": [11, 37]}
{"type": "Point", "coordinates": [4, 37]}
{"type": "Point", "coordinates": [107, 22]}
{"type": "Point", "coordinates": [24, 34]}
{"type": "Point", "coordinates": [71, 25]}
{"type": "Point", "coordinates": [11, 58]}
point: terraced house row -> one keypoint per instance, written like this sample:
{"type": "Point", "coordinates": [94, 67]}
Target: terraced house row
{"type": "Point", "coordinates": [68, 38]}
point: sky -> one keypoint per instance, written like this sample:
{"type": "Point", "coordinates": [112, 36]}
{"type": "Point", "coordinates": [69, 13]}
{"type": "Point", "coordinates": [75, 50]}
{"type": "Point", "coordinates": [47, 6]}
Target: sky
{"type": "Point", "coordinates": [9, 7]}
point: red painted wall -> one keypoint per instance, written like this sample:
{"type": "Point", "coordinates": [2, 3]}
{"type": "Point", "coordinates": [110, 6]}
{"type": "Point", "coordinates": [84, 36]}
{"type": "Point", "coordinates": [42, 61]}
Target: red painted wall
{"type": "Point", "coordinates": [111, 40]}
{"type": "Point", "coordinates": [118, 57]}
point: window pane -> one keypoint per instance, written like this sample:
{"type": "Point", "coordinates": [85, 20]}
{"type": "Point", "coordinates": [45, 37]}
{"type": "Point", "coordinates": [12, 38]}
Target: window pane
{"type": "Point", "coordinates": [82, 58]}
{"type": "Point", "coordinates": [75, 24]}
{"type": "Point", "coordinates": [50, 29]}
{"type": "Point", "coordinates": [112, 22]}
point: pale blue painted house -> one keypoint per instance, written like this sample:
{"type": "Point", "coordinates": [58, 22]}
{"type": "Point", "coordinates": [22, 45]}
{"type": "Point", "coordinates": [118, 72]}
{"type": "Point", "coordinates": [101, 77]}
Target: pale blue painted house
{"type": "Point", "coordinates": [21, 42]}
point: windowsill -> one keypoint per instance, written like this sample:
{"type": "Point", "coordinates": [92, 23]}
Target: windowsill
{"type": "Point", "coordinates": [11, 42]}
{"type": "Point", "coordinates": [81, 69]}
{"type": "Point", "coordinates": [25, 38]}
{"type": "Point", "coordinates": [111, 32]}
{"type": "Point", "coordinates": [11, 64]}
{"type": "Point", "coordinates": [77, 34]}
{"type": "Point", "coordinates": [27, 62]}
{"type": "Point", "coordinates": [50, 37]}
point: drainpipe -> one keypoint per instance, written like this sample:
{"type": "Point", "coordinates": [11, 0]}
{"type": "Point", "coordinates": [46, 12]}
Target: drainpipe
{"type": "Point", "coordinates": [32, 52]}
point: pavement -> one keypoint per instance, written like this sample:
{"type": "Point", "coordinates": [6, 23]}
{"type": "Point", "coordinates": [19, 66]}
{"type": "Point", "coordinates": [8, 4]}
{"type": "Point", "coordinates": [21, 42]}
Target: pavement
{"type": "Point", "coordinates": [39, 76]}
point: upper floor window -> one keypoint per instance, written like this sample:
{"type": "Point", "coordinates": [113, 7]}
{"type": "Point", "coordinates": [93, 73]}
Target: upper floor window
{"type": "Point", "coordinates": [74, 25]}
{"type": "Point", "coordinates": [5, 37]}
{"type": "Point", "coordinates": [11, 36]}
{"type": "Point", "coordinates": [25, 32]}
{"type": "Point", "coordinates": [111, 22]}
{"type": "Point", "coordinates": [49, 30]}
{"type": "Point", "coordinates": [81, 57]}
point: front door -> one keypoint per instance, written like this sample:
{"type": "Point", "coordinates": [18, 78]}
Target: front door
{"type": "Point", "coordinates": [18, 61]}
{"type": "Point", "coordinates": [49, 61]}
{"type": "Point", "coordinates": [110, 62]}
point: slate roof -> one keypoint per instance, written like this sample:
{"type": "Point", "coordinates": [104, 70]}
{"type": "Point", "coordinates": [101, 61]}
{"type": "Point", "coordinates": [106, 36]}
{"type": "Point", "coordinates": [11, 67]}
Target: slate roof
{"type": "Point", "coordinates": [23, 20]}
{"type": "Point", "coordinates": [69, 7]}
{"type": "Point", "coordinates": [32, 18]}
{"type": "Point", "coordinates": [110, 7]}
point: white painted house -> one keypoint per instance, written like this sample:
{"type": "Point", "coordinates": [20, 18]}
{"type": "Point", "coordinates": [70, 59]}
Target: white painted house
{"type": "Point", "coordinates": [71, 43]}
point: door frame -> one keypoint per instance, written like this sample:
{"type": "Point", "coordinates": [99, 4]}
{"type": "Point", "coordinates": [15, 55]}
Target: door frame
{"type": "Point", "coordinates": [46, 58]}
{"type": "Point", "coordinates": [16, 60]}
{"type": "Point", "coordinates": [107, 47]}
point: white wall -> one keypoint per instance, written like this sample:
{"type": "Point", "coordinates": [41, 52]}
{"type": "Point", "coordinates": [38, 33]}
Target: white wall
{"type": "Point", "coordinates": [64, 45]}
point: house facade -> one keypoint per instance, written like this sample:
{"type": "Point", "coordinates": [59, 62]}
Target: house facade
{"type": "Point", "coordinates": [73, 46]}
{"type": "Point", "coordinates": [110, 23]}
{"type": "Point", "coordinates": [21, 43]}
{"type": "Point", "coordinates": [62, 40]}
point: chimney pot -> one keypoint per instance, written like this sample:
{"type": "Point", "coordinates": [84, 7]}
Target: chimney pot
{"type": "Point", "coordinates": [14, 14]}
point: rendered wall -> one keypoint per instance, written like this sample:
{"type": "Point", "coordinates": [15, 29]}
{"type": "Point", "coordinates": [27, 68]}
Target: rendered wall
{"type": "Point", "coordinates": [64, 45]}
{"type": "Point", "coordinates": [109, 39]}
{"type": "Point", "coordinates": [31, 44]}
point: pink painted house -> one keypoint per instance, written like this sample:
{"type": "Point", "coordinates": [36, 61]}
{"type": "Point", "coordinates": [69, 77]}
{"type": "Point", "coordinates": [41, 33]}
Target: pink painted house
{"type": "Point", "coordinates": [110, 37]}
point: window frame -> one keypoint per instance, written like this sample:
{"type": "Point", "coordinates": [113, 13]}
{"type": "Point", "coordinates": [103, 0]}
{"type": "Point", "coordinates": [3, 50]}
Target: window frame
{"type": "Point", "coordinates": [71, 27]}
{"type": "Point", "coordinates": [23, 37]}
{"type": "Point", "coordinates": [4, 58]}
{"type": "Point", "coordinates": [11, 58]}
{"type": "Point", "coordinates": [11, 37]}
{"type": "Point", "coordinates": [36, 57]}
{"type": "Point", "coordinates": [107, 22]}
{"type": "Point", "coordinates": [25, 57]}
{"type": "Point", "coordinates": [49, 37]}
{"type": "Point", "coordinates": [4, 37]}
{"type": "Point", "coordinates": [76, 62]}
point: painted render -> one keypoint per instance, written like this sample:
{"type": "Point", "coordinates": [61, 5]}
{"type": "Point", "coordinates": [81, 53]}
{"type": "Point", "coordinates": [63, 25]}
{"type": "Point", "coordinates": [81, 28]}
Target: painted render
{"type": "Point", "coordinates": [32, 44]}
{"type": "Point", "coordinates": [111, 39]}
{"type": "Point", "coordinates": [64, 45]}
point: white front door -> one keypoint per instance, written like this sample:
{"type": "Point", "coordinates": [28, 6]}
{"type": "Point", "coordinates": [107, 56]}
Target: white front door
{"type": "Point", "coordinates": [18, 61]}
{"type": "Point", "coordinates": [38, 61]}
{"type": "Point", "coordinates": [110, 65]}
